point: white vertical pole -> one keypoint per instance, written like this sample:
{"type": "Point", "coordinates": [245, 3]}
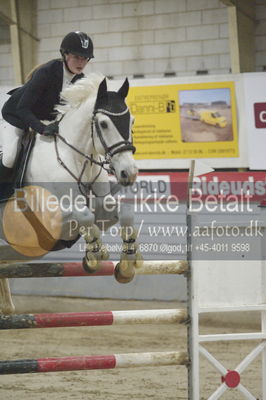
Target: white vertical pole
{"type": "Point", "coordinates": [193, 327]}
{"type": "Point", "coordinates": [263, 324]}
{"type": "Point", "coordinates": [193, 336]}
{"type": "Point", "coordinates": [263, 371]}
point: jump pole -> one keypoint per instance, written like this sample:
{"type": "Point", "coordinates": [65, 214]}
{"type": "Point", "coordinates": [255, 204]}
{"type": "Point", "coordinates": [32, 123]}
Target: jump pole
{"type": "Point", "coordinates": [46, 270]}
{"type": "Point", "coordinates": [129, 360]}
{"type": "Point", "coordinates": [58, 320]}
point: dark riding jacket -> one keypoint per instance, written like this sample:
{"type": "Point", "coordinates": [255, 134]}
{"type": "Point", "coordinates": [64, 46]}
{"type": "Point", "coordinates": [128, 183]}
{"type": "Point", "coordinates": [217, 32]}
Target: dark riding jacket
{"type": "Point", "coordinates": [35, 100]}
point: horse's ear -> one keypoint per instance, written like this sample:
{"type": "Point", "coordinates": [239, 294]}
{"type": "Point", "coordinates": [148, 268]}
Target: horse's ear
{"type": "Point", "coordinates": [123, 91]}
{"type": "Point", "coordinates": [102, 89]}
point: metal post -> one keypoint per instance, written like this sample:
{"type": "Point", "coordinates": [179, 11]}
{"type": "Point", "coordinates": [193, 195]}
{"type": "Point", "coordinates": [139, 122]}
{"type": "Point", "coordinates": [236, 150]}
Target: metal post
{"type": "Point", "coordinates": [192, 334]}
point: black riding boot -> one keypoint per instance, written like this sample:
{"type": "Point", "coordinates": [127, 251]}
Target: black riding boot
{"type": "Point", "coordinates": [5, 173]}
{"type": "Point", "coordinates": [6, 181]}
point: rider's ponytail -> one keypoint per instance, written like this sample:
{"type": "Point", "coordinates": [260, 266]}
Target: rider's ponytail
{"type": "Point", "coordinates": [29, 75]}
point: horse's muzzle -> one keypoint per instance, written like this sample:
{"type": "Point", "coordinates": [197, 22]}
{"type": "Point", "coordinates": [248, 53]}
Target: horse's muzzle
{"type": "Point", "coordinates": [127, 179]}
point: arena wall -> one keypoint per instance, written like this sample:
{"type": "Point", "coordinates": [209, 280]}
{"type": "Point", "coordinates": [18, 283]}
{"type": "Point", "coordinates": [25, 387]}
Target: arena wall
{"type": "Point", "coordinates": [146, 38]}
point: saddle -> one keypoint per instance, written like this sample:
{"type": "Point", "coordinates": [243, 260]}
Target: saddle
{"type": "Point", "coordinates": [16, 180]}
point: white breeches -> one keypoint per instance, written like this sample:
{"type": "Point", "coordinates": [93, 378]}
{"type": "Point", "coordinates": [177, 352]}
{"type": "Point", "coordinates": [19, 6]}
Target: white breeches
{"type": "Point", "coordinates": [10, 136]}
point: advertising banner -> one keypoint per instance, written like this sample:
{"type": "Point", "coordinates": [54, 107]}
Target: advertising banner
{"type": "Point", "coordinates": [255, 99]}
{"type": "Point", "coordinates": [185, 120]}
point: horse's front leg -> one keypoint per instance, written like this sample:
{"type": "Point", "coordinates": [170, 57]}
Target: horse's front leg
{"type": "Point", "coordinates": [130, 257]}
{"type": "Point", "coordinates": [83, 223]}
{"type": "Point", "coordinates": [95, 250]}
{"type": "Point", "coordinates": [6, 303]}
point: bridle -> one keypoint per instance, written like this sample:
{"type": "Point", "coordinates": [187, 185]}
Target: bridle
{"type": "Point", "coordinates": [119, 147]}
{"type": "Point", "coordinates": [110, 151]}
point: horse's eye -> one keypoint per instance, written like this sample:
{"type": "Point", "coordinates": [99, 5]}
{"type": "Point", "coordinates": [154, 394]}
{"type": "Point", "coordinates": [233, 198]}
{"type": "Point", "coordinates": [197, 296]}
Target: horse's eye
{"type": "Point", "coordinates": [103, 124]}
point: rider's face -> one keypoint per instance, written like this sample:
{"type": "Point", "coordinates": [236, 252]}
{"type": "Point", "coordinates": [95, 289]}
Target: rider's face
{"type": "Point", "coordinates": [76, 64]}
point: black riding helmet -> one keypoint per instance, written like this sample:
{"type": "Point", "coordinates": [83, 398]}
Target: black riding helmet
{"type": "Point", "coordinates": [78, 43]}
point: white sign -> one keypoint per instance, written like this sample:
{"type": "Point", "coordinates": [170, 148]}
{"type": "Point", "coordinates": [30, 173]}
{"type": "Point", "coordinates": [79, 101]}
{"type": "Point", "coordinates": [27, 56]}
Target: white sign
{"type": "Point", "coordinates": [255, 104]}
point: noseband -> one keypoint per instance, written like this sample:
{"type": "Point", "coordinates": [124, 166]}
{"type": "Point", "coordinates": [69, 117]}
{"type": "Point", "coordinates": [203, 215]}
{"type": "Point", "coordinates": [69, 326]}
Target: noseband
{"type": "Point", "coordinates": [119, 147]}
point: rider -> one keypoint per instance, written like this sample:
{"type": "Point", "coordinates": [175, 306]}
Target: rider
{"type": "Point", "coordinates": [35, 100]}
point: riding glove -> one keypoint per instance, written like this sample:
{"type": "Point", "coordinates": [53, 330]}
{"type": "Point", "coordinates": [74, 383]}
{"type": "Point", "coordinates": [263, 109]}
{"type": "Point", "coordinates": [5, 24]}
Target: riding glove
{"type": "Point", "coordinates": [51, 129]}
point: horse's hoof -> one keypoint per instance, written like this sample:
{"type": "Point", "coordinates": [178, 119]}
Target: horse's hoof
{"type": "Point", "coordinates": [8, 309]}
{"type": "Point", "coordinates": [87, 267]}
{"type": "Point", "coordinates": [121, 278]}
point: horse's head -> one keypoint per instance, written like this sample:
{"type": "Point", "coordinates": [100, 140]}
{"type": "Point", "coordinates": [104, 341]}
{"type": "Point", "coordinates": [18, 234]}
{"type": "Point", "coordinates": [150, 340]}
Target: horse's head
{"type": "Point", "coordinates": [112, 132]}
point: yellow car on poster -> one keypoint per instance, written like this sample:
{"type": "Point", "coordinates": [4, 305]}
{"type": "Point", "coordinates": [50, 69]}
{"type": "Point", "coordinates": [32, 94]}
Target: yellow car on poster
{"type": "Point", "coordinates": [213, 118]}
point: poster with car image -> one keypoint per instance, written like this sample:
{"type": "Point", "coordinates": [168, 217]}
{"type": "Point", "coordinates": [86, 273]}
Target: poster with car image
{"type": "Point", "coordinates": [185, 120]}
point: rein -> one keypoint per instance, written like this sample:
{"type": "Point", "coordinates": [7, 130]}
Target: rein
{"type": "Point", "coordinates": [83, 188]}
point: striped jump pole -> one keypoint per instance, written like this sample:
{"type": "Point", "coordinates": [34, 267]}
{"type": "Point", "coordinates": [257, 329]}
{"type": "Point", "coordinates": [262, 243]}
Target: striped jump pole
{"type": "Point", "coordinates": [45, 270]}
{"type": "Point", "coordinates": [57, 320]}
{"type": "Point", "coordinates": [129, 360]}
